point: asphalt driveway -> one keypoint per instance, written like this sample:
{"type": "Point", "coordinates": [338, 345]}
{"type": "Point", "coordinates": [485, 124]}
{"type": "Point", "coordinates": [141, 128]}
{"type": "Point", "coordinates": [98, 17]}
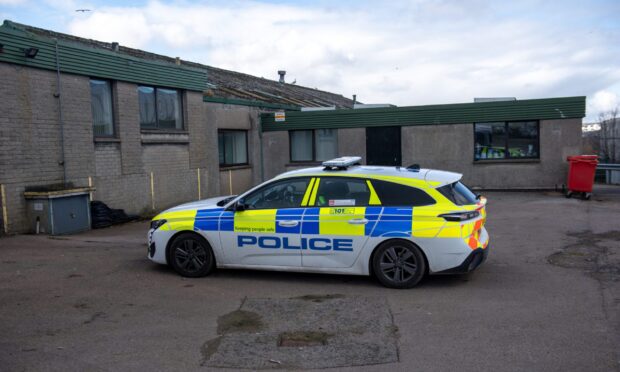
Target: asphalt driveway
{"type": "Point", "coordinates": [548, 298]}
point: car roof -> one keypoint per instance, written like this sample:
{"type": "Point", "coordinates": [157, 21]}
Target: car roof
{"type": "Point", "coordinates": [434, 178]}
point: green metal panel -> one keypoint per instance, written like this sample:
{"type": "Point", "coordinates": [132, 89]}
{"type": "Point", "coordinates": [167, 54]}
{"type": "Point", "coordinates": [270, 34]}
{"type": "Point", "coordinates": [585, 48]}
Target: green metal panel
{"type": "Point", "coordinates": [458, 113]}
{"type": "Point", "coordinates": [247, 102]}
{"type": "Point", "coordinates": [82, 60]}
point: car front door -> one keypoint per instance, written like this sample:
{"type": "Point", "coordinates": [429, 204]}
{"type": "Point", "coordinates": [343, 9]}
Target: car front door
{"type": "Point", "coordinates": [265, 227]}
{"type": "Point", "coordinates": [338, 221]}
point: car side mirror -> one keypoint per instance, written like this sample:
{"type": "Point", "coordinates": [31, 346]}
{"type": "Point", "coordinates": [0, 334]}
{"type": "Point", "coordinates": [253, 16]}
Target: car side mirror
{"type": "Point", "coordinates": [240, 205]}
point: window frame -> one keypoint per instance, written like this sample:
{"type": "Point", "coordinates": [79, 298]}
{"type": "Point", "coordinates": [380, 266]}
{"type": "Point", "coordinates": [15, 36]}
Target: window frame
{"type": "Point", "coordinates": [361, 179]}
{"type": "Point", "coordinates": [112, 101]}
{"type": "Point", "coordinates": [507, 156]}
{"type": "Point", "coordinates": [291, 179]}
{"type": "Point", "coordinates": [313, 160]}
{"type": "Point", "coordinates": [247, 155]}
{"type": "Point", "coordinates": [375, 182]}
{"type": "Point", "coordinates": [180, 93]}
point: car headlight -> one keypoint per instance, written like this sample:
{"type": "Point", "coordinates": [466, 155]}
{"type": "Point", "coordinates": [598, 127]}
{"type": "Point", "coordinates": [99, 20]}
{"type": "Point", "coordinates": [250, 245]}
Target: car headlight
{"type": "Point", "coordinates": [156, 224]}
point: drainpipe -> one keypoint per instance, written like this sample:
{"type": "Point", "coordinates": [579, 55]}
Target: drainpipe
{"type": "Point", "coordinates": [260, 145]}
{"type": "Point", "coordinates": [60, 117]}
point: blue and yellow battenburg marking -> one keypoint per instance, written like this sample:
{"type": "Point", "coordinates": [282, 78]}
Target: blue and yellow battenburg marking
{"type": "Point", "coordinates": [381, 222]}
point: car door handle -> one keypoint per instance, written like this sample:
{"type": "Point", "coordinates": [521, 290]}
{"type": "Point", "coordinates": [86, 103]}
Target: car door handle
{"type": "Point", "coordinates": [288, 223]}
{"type": "Point", "coordinates": [358, 221]}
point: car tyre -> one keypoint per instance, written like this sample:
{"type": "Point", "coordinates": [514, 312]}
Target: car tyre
{"type": "Point", "coordinates": [398, 264]}
{"type": "Point", "coordinates": [191, 256]}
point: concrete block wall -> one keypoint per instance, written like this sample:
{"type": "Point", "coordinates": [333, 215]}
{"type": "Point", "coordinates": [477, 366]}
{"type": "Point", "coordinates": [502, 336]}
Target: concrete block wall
{"type": "Point", "coordinates": [120, 168]}
{"type": "Point", "coordinates": [451, 147]}
{"type": "Point", "coordinates": [276, 153]}
{"type": "Point", "coordinates": [30, 136]}
{"type": "Point", "coordinates": [276, 150]}
{"type": "Point", "coordinates": [224, 116]}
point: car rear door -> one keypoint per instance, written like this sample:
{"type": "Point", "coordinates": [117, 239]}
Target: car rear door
{"type": "Point", "coordinates": [337, 221]}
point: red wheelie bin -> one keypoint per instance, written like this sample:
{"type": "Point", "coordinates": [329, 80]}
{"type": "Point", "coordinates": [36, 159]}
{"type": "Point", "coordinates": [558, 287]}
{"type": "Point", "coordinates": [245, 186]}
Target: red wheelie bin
{"type": "Point", "coordinates": [581, 169]}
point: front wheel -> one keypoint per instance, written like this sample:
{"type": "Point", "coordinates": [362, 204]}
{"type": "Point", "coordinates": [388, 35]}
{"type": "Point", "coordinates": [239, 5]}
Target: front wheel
{"type": "Point", "coordinates": [398, 264]}
{"type": "Point", "coordinates": [191, 256]}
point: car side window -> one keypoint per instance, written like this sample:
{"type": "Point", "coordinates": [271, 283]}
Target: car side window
{"type": "Point", "coordinates": [339, 191]}
{"type": "Point", "coordinates": [281, 194]}
{"type": "Point", "coordinates": [394, 194]}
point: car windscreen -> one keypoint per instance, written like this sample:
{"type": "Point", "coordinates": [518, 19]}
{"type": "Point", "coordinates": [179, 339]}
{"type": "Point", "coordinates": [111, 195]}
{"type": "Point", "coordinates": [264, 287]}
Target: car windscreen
{"type": "Point", "coordinates": [458, 193]}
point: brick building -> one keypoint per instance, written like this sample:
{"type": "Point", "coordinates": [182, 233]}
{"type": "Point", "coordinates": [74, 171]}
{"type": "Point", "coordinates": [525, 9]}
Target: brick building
{"type": "Point", "coordinates": [147, 131]}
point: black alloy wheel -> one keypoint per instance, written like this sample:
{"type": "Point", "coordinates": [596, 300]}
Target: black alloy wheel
{"type": "Point", "coordinates": [191, 256]}
{"type": "Point", "coordinates": [398, 264]}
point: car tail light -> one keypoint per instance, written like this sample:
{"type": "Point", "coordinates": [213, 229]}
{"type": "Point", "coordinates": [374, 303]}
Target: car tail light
{"type": "Point", "coordinates": [460, 216]}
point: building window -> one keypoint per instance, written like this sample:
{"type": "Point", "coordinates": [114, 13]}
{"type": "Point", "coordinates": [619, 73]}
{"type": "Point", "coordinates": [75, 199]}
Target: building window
{"type": "Point", "coordinates": [233, 147]}
{"type": "Point", "coordinates": [313, 145]}
{"type": "Point", "coordinates": [506, 140]}
{"type": "Point", "coordinates": [101, 107]}
{"type": "Point", "coordinates": [160, 108]}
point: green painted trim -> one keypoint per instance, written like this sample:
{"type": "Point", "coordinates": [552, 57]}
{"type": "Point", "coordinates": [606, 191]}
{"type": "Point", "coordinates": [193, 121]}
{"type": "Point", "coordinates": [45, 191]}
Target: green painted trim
{"type": "Point", "coordinates": [457, 113]}
{"type": "Point", "coordinates": [247, 102]}
{"type": "Point", "coordinates": [75, 58]}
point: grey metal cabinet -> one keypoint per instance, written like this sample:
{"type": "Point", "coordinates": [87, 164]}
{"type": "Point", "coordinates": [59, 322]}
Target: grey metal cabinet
{"type": "Point", "coordinates": [59, 212]}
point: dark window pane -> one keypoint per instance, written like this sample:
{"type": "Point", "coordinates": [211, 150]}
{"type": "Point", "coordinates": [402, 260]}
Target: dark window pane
{"type": "Point", "coordinates": [523, 139]}
{"type": "Point", "coordinates": [337, 192]}
{"type": "Point", "coordinates": [490, 141]}
{"type": "Point", "coordinates": [301, 145]}
{"type": "Point", "coordinates": [280, 194]}
{"type": "Point", "coordinates": [326, 141]}
{"type": "Point", "coordinates": [168, 109]}
{"type": "Point", "coordinates": [233, 147]}
{"type": "Point", "coordinates": [101, 106]}
{"type": "Point", "coordinates": [393, 194]}
{"type": "Point", "coordinates": [146, 102]}
{"type": "Point", "coordinates": [458, 194]}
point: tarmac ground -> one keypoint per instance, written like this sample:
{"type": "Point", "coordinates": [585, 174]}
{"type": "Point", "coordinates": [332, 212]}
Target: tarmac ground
{"type": "Point", "coordinates": [547, 298]}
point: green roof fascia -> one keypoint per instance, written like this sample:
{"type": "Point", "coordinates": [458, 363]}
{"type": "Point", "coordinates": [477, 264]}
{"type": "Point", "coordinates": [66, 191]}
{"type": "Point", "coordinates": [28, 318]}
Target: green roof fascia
{"type": "Point", "coordinates": [95, 62]}
{"type": "Point", "coordinates": [456, 113]}
{"type": "Point", "coordinates": [247, 102]}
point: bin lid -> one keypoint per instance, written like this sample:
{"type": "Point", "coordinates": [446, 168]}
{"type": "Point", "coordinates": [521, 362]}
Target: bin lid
{"type": "Point", "coordinates": [583, 158]}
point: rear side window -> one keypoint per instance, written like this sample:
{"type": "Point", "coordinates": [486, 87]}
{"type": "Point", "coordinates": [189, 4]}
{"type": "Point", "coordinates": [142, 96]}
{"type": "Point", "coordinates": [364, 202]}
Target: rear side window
{"type": "Point", "coordinates": [338, 192]}
{"type": "Point", "coordinates": [394, 194]}
{"type": "Point", "coordinates": [458, 194]}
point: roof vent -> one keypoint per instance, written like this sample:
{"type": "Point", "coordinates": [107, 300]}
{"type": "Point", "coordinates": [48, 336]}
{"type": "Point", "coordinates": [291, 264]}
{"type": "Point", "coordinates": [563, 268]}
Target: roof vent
{"type": "Point", "coordinates": [281, 73]}
{"type": "Point", "coordinates": [115, 46]}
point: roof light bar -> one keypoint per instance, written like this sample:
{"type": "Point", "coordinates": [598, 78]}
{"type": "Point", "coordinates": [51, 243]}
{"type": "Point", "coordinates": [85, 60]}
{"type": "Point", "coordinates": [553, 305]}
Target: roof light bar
{"type": "Point", "coordinates": [343, 162]}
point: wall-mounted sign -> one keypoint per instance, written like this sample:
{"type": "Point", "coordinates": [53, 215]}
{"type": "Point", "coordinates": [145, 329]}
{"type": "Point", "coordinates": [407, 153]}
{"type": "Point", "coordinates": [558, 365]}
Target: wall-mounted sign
{"type": "Point", "coordinates": [279, 116]}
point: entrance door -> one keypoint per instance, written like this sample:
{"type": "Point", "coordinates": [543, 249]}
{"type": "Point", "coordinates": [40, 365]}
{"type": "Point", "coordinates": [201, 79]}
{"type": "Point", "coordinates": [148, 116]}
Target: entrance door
{"type": "Point", "coordinates": [383, 146]}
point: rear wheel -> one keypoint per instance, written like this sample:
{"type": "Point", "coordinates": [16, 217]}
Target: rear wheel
{"type": "Point", "coordinates": [191, 256]}
{"type": "Point", "coordinates": [398, 264]}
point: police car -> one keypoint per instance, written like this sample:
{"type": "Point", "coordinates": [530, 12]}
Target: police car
{"type": "Point", "coordinates": [394, 223]}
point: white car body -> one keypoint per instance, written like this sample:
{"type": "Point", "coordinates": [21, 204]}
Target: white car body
{"type": "Point", "coordinates": [290, 239]}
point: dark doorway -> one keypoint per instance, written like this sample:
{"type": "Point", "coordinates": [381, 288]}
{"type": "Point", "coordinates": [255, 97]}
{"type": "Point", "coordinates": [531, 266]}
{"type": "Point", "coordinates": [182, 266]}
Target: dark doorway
{"type": "Point", "coordinates": [383, 146]}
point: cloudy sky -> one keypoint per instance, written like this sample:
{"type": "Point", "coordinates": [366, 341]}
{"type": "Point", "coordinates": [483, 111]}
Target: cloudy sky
{"type": "Point", "coordinates": [402, 52]}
